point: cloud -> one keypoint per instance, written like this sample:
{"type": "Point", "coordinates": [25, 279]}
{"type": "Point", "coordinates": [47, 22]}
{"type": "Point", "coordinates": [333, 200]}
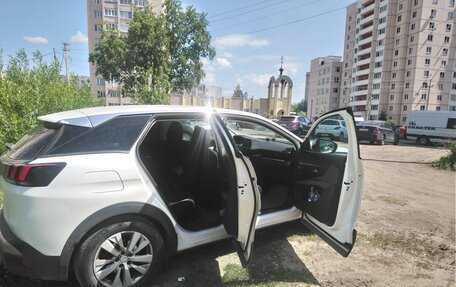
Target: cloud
{"type": "Point", "coordinates": [209, 78]}
{"type": "Point", "coordinates": [79, 37]}
{"type": "Point", "coordinates": [260, 80]}
{"type": "Point", "coordinates": [239, 40]}
{"type": "Point", "coordinates": [223, 63]}
{"type": "Point", "coordinates": [227, 55]}
{"type": "Point", "coordinates": [36, 40]}
{"type": "Point", "coordinates": [290, 68]}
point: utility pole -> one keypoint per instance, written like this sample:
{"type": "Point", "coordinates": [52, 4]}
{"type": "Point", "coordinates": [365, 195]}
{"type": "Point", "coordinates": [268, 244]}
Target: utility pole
{"type": "Point", "coordinates": [66, 49]}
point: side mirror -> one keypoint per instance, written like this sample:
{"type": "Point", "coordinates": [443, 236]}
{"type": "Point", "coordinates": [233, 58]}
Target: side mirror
{"type": "Point", "coordinates": [322, 146]}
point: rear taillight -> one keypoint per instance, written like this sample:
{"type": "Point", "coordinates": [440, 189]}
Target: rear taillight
{"type": "Point", "coordinates": [294, 123]}
{"type": "Point", "coordinates": [32, 174]}
{"type": "Point", "coordinates": [376, 130]}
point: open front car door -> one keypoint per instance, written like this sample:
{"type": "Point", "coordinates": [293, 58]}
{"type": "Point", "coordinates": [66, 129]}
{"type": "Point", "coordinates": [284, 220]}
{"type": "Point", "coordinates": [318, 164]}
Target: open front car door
{"type": "Point", "coordinates": [329, 180]}
{"type": "Point", "coordinates": [241, 200]}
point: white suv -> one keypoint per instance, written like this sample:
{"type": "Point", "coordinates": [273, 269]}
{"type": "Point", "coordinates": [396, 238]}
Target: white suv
{"type": "Point", "coordinates": [110, 193]}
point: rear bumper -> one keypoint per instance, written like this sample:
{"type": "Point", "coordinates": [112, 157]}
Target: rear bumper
{"type": "Point", "coordinates": [20, 258]}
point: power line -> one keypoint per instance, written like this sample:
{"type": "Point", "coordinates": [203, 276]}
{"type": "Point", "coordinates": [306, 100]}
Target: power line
{"type": "Point", "coordinates": [265, 16]}
{"type": "Point", "coordinates": [237, 9]}
{"type": "Point", "coordinates": [249, 11]}
{"type": "Point", "coordinates": [287, 23]}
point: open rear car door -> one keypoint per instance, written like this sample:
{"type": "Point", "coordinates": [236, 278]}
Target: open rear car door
{"type": "Point", "coordinates": [242, 201]}
{"type": "Point", "coordinates": [329, 181]}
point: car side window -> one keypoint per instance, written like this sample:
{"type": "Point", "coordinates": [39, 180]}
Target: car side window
{"type": "Point", "coordinates": [254, 136]}
{"type": "Point", "coordinates": [329, 135]}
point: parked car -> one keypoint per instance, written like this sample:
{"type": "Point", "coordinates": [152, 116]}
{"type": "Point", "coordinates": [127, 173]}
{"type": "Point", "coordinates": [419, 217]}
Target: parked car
{"type": "Point", "coordinates": [296, 124]}
{"type": "Point", "coordinates": [109, 193]}
{"type": "Point", "coordinates": [379, 132]}
{"type": "Point", "coordinates": [332, 128]}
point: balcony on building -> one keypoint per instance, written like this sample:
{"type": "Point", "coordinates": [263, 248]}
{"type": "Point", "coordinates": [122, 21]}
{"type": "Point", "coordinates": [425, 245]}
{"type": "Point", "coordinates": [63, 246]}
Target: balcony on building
{"type": "Point", "coordinates": [363, 59]}
{"type": "Point", "coordinates": [360, 90]}
{"type": "Point", "coordinates": [365, 48]}
{"type": "Point", "coordinates": [368, 6]}
{"type": "Point", "coordinates": [365, 40]}
{"type": "Point", "coordinates": [367, 17]}
{"type": "Point", "coordinates": [362, 80]}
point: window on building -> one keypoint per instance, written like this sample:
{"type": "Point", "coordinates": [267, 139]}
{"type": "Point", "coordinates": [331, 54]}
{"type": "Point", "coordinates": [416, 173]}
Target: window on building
{"type": "Point", "coordinates": [450, 3]}
{"type": "Point", "coordinates": [412, 39]}
{"type": "Point", "coordinates": [430, 38]}
{"type": "Point", "coordinates": [404, 108]}
{"type": "Point", "coordinates": [412, 26]}
{"type": "Point", "coordinates": [377, 75]}
{"type": "Point", "coordinates": [433, 13]}
{"type": "Point", "coordinates": [428, 50]}
{"type": "Point", "coordinates": [394, 64]}
{"type": "Point", "coordinates": [405, 96]}
{"type": "Point", "coordinates": [126, 14]}
{"type": "Point", "coordinates": [439, 97]}
{"type": "Point", "coordinates": [380, 42]}
{"type": "Point", "coordinates": [444, 63]}
{"type": "Point", "coordinates": [383, 8]}
{"type": "Point", "coordinates": [409, 61]}
{"type": "Point", "coordinates": [415, 2]}
{"type": "Point", "coordinates": [448, 27]}
{"type": "Point", "coordinates": [399, 18]}
{"type": "Point", "coordinates": [450, 15]}
{"type": "Point", "coordinates": [423, 96]}
{"type": "Point", "coordinates": [100, 82]}
{"type": "Point", "coordinates": [424, 85]}
{"type": "Point", "coordinates": [125, 2]}
{"type": "Point", "coordinates": [422, 107]}
{"type": "Point", "coordinates": [435, 1]}
{"type": "Point", "coordinates": [393, 75]}
{"type": "Point", "coordinates": [446, 40]}
{"type": "Point", "coordinates": [414, 14]}
{"type": "Point", "coordinates": [390, 108]}
{"type": "Point", "coordinates": [442, 75]}
{"type": "Point", "coordinates": [110, 12]}
{"type": "Point", "coordinates": [437, 108]}
{"type": "Point", "coordinates": [391, 97]}
{"type": "Point", "coordinates": [97, 2]}
{"type": "Point", "coordinates": [407, 85]}
{"type": "Point", "coordinates": [98, 28]}
{"type": "Point", "coordinates": [98, 14]}
{"type": "Point", "coordinates": [381, 31]}
{"type": "Point", "coordinates": [393, 86]}
{"type": "Point", "coordinates": [427, 62]}
{"type": "Point", "coordinates": [401, 6]}
{"type": "Point", "coordinates": [335, 90]}
{"type": "Point", "coordinates": [445, 52]}
{"type": "Point", "coordinates": [410, 51]}
{"type": "Point", "coordinates": [431, 25]}
{"type": "Point", "coordinates": [375, 96]}
{"type": "Point", "coordinates": [407, 73]}
{"type": "Point", "coordinates": [426, 73]}
{"type": "Point", "coordinates": [396, 52]}
{"type": "Point", "coordinates": [374, 107]}
{"type": "Point", "coordinates": [398, 30]}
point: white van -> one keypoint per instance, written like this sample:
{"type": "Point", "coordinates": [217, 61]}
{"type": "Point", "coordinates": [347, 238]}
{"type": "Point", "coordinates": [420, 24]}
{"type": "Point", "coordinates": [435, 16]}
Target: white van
{"type": "Point", "coordinates": [431, 126]}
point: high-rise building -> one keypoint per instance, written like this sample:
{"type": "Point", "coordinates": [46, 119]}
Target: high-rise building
{"type": "Point", "coordinates": [399, 56]}
{"type": "Point", "coordinates": [115, 15]}
{"type": "Point", "coordinates": [323, 85]}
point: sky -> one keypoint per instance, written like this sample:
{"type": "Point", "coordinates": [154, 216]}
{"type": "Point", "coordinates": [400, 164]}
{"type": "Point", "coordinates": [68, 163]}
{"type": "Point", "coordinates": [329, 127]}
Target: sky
{"type": "Point", "coordinates": [250, 37]}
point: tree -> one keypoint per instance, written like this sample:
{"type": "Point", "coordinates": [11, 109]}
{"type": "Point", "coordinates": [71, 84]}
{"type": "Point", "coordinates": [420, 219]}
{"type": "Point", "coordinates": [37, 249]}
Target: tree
{"type": "Point", "coordinates": [237, 93]}
{"type": "Point", "coordinates": [159, 53]}
{"type": "Point", "coordinates": [300, 108]}
{"type": "Point", "coordinates": [28, 91]}
{"type": "Point", "coordinates": [382, 116]}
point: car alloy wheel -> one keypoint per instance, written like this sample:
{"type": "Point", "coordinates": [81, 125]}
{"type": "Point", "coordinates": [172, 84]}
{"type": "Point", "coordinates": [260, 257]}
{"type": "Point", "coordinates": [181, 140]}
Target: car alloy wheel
{"type": "Point", "coordinates": [120, 254]}
{"type": "Point", "coordinates": [123, 259]}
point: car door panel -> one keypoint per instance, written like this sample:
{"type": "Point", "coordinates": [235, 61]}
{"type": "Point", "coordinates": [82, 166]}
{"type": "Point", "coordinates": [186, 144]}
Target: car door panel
{"type": "Point", "coordinates": [329, 180]}
{"type": "Point", "coordinates": [321, 175]}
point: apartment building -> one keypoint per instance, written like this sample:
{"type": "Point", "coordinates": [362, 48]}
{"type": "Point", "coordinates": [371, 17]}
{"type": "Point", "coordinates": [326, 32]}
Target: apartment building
{"type": "Point", "coordinates": [323, 85]}
{"type": "Point", "coordinates": [399, 56]}
{"type": "Point", "coordinates": [115, 15]}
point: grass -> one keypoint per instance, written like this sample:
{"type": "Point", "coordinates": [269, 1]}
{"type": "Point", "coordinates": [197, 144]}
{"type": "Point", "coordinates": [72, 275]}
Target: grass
{"type": "Point", "coordinates": [448, 161]}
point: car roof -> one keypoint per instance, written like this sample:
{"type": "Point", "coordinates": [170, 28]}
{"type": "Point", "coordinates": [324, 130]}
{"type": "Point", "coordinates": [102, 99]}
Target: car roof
{"type": "Point", "coordinates": [91, 117]}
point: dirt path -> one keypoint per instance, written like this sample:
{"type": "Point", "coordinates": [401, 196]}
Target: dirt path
{"type": "Point", "coordinates": [406, 237]}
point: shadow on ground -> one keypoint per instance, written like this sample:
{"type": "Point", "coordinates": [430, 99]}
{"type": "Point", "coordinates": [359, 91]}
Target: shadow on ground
{"type": "Point", "coordinates": [274, 262]}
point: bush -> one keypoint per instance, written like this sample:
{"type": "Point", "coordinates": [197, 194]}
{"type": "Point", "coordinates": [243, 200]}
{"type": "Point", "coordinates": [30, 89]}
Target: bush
{"type": "Point", "coordinates": [28, 91]}
{"type": "Point", "coordinates": [448, 161]}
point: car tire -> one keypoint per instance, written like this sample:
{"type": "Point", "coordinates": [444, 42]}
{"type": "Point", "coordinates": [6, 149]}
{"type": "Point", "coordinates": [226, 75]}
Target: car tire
{"type": "Point", "coordinates": [396, 140]}
{"type": "Point", "coordinates": [382, 141]}
{"type": "Point", "coordinates": [423, 140]}
{"type": "Point", "coordinates": [341, 136]}
{"type": "Point", "coordinates": [123, 264]}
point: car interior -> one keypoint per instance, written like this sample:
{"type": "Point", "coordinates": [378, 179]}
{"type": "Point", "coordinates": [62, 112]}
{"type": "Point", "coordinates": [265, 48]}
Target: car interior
{"type": "Point", "coordinates": [198, 181]}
